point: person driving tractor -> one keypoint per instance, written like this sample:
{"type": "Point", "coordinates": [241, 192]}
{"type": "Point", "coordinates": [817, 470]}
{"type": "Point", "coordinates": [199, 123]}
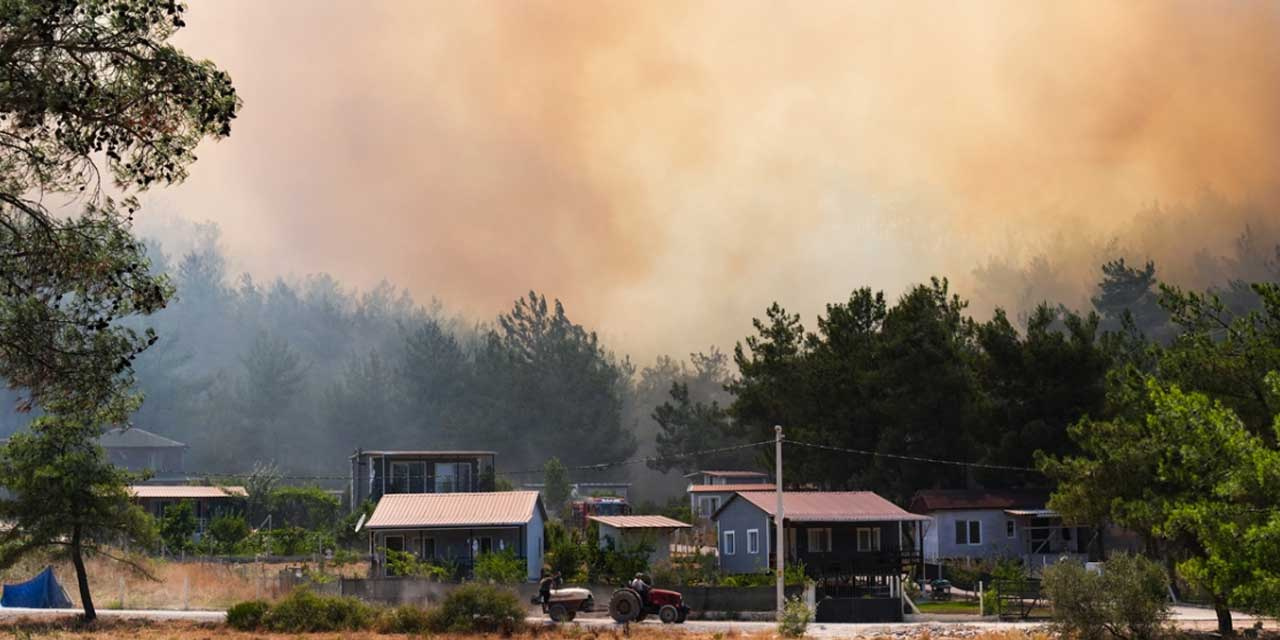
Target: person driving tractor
{"type": "Point", "coordinates": [641, 586]}
{"type": "Point", "coordinates": [546, 585]}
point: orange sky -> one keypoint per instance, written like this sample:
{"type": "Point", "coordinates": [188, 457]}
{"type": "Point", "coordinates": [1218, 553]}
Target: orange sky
{"type": "Point", "coordinates": [670, 168]}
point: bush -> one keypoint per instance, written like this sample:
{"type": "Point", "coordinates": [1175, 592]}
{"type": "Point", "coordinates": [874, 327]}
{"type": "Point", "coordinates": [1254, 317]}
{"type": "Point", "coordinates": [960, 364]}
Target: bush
{"type": "Point", "coordinates": [502, 567]}
{"type": "Point", "coordinates": [225, 532]}
{"type": "Point", "coordinates": [1128, 600]}
{"type": "Point", "coordinates": [178, 527]}
{"type": "Point", "coordinates": [478, 608]}
{"type": "Point", "coordinates": [404, 619]}
{"type": "Point", "coordinates": [403, 563]}
{"type": "Point", "coordinates": [795, 618]}
{"type": "Point", "coordinates": [303, 611]}
{"type": "Point", "coordinates": [248, 615]}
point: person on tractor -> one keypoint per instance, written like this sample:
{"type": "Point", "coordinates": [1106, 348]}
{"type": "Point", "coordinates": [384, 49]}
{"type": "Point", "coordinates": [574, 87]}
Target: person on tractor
{"type": "Point", "coordinates": [546, 585]}
{"type": "Point", "coordinates": [640, 585]}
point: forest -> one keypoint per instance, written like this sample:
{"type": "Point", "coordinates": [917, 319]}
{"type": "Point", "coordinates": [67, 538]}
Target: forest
{"type": "Point", "coordinates": [302, 371]}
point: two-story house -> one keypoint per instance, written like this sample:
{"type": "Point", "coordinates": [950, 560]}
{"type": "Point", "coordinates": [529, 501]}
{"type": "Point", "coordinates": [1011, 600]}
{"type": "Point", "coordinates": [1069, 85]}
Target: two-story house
{"type": "Point", "coordinates": [141, 451]}
{"type": "Point", "coordinates": [708, 490]}
{"type": "Point", "coordinates": [378, 473]}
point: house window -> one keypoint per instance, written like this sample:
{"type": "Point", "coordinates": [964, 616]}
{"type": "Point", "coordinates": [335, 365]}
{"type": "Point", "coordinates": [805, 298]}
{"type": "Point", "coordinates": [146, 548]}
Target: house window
{"type": "Point", "coordinates": [819, 540]}
{"type": "Point", "coordinates": [969, 532]}
{"type": "Point", "coordinates": [791, 542]}
{"type": "Point", "coordinates": [1010, 529]}
{"type": "Point", "coordinates": [753, 541]}
{"type": "Point", "coordinates": [428, 548]}
{"type": "Point", "coordinates": [417, 477]}
{"type": "Point", "coordinates": [869, 539]}
{"type": "Point", "coordinates": [446, 477]}
{"type": "Point", "coordinates": [395, 543]}
{"type": "Point", "coordinates": [709, 506]}
{"type": "Point", "coordinates": [730, 543]}
{"type": "Point", "coordinates": [399, 482]}
{"type": "Point", "coordinates": [453, 477]}
{"type": "Point", "coordinates": [1066, 533]}
{"type": "Point", "coordinates": [485, 544]}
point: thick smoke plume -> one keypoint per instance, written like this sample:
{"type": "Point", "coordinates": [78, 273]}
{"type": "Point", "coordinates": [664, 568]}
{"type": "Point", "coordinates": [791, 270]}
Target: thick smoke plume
{"type": "Point", "coordinates": [668, 168]}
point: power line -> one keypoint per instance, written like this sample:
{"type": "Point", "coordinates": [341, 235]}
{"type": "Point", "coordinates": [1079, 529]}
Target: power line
{"type": "Point", "coordinates": [896, 456]}
{"type": "Point", "coordinates": [646, 459]}
{"type": "Point", "coordinates": [585, 467]}
{"type": "Point", "coordinates": [692, 454]}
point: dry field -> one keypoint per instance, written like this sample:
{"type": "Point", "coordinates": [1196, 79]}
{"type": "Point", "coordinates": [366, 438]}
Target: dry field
{"type": "Point", "coordinates": [132, 630]}
{"type": "Point", "coordinates": [177, 585]}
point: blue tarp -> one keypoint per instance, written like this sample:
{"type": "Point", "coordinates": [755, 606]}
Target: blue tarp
{"type": "Point", "coordinates": [40, 592]}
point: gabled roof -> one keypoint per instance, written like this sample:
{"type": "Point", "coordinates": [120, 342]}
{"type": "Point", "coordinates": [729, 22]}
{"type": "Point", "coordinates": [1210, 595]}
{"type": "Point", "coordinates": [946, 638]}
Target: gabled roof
{"type": "Point", "coordinates": [728, 474]}
{"type": "Point", "coordinates": [825, 506]}
{"type": "Point", "coordinates": [930, 500]}
{"type": "Point", "coordinates": [640, 522]}
{"type": "Point", "coordinates": [133, 437]}
{"type": "Point", "coordinates": [427, 510]}
{"type": "Point", "coordinates": [729, 488]}
{"type": "Point", "coordinates": [185, 492]}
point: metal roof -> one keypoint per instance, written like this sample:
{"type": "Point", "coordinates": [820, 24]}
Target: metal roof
{"type": "Point", "coordinates": [729, 488]}
{"type": "Point", "coordinates": [1035, 513]}
{"type": "Point", "coordinates": [640, 522]}
{"type": "Point", "coordinates": [827, 506]}
{"type": "Point", "coordinates": [133, 437]}
{"type": "Point", "coordinates": [185, 492]}
{"type": "Point", "coordinates": [728, 474]}
{"type": "Point", "coordinates": [424, 454]}
{"type": "Point", "coordinates": [929, 500]}
{"type": "Point", "coordinates": [427, 510]}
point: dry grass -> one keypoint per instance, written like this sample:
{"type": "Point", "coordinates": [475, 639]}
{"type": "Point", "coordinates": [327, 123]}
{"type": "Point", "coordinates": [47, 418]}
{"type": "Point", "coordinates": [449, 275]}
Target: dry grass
{"type": "Point", "coordinates": [191, 585]}
{"type": "Point", "coordinates": [140, 630]}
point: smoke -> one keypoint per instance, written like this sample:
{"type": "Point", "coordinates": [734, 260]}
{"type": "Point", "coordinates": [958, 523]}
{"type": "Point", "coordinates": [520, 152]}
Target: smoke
{"type": "Point", "coordinates": [669, 168]}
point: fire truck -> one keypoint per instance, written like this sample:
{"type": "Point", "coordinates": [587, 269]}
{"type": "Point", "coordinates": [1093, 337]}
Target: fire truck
{"type": "Point", "coordinates": [599, 506]}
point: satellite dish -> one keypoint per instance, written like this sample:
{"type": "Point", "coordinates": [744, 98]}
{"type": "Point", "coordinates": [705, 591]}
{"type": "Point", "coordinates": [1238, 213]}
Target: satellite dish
{"type": "Point", "coordinates": [360, 523]}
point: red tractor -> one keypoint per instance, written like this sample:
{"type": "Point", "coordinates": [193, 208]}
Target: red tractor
{"type": "Point", "coordinates": [629, 605]}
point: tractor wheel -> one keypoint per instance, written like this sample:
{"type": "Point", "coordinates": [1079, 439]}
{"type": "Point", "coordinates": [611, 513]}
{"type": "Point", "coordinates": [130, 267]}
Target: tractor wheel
{"type": "Point", "coordinates": [668, 614]}
{"type": "Point", "coordinates": [559, 613]}
{"type": "Point", "coordinates": [684, 615]}
{"type": "Point", "coordinates": [624, 606]}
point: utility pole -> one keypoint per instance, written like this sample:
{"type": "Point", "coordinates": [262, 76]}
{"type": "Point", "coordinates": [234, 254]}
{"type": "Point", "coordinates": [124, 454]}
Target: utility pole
{"type": "Point", "coordinates": [779, 536]}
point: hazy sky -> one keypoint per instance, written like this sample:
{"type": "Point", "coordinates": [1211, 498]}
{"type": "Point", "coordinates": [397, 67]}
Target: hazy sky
{"type": "Point", "coordinates": [670, 168]}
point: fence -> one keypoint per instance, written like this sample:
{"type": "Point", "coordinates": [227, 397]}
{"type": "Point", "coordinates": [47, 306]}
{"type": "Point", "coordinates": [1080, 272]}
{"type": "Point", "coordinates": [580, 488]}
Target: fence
{"type": "Point", "coordinates": [423, 591]}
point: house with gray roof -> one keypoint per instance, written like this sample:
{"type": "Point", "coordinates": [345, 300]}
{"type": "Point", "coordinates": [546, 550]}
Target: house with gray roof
{"type": "Point", "coordinates": [142, 451]}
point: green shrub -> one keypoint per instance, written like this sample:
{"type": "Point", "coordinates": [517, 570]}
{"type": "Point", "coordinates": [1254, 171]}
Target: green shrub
{"type": "Point", "coordinates": [178, 527]}
{"type": "Point", "coordinates": [288, 541]}
{"type": "Point", "coordinates": [1128, 600]}
{"type": "Point", "coordinates": [248, 615]}
{"type": "Point", "coordinates": [403, 563]}
{"type": "Point", "coordinates": [227, 531]}
{"type": "Point", "coordinates": [404, 619]}
{"type": "Point", "coordinates": [303, 611]}
{"type": "Point", "coordinates": [478, 608]}
{"type": "Point", "coordinates": [502, 567]}
{"type": "Point", "coordinates": [795, 618]}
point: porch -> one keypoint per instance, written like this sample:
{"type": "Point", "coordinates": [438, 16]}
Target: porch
{"type": "Point", "coordinates": [455, 550]}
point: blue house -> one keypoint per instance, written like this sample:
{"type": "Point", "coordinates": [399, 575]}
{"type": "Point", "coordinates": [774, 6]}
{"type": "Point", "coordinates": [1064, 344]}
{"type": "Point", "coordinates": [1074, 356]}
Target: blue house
{"type": "Point", "coordinates": [1001, 524]}
{"type": "Point", "coordinates": [453, 529]}
{"type": "Point", "coordinates": [843, 538]}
